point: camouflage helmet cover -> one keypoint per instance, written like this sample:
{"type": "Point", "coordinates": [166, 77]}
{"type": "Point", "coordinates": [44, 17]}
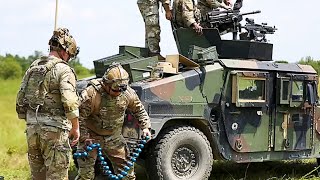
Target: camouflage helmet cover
{"type": "Point", "coordinates": [116, 77]}
{"type": "Point", "coordinates": [65, 40]}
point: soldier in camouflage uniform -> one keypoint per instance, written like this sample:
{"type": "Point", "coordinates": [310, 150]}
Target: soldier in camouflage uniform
{"type": "Point", "coordinates": [206, 6]}
{"type": "Point", "coordinates": [48, 102]}
{"type": "Point", "coordinates": [102, 110]}
{"type": "Point", "coordinates": [149, 10]}
{"type": "Point", "coordinates": [186, 14]}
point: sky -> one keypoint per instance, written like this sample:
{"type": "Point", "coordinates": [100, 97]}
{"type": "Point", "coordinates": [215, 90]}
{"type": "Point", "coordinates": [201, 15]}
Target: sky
{"type": "Point", "coordinates": [100, 26]}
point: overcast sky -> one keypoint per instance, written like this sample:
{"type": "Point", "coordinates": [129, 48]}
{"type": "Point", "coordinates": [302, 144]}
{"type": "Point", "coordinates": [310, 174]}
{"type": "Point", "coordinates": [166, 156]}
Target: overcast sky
{"type": "Point", "coordinates": [100, 26]}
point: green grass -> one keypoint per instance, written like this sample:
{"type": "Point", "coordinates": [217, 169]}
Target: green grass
{"type": "Point", "coordinates": [14, 163]}
{"type": "Point", "coordinates": [13, 147]}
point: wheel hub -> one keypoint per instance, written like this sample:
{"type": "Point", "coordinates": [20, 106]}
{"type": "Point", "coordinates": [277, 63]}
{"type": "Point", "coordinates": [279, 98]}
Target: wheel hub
{"type": "Point", "coordinates": [184, 162]}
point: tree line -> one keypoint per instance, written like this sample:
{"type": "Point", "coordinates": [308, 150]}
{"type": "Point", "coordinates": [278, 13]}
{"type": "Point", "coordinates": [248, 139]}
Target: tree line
{"type": "Point", "coordinates": [14, 66]}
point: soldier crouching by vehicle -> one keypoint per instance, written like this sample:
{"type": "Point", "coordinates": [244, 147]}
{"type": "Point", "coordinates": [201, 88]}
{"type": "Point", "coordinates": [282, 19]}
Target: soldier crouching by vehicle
{"type": "Point", "coordinates": [102, 110]}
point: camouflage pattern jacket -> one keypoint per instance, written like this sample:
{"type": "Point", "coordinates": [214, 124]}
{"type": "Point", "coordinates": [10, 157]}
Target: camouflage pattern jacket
{"type": "Point", "coordinates": [153, 2]}
{"type": "Point", "coordinates": [104, 114]}
{"type": "Point", "coordinates": [185, 13]}
{"type": "Point", "coordinates": [61, 102]}
{"type": "Point", "coordinates": [206, 6]}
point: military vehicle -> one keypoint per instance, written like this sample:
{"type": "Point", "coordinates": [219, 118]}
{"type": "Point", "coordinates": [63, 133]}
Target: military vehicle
{"type": "Point", "coordinates": [220, 100]}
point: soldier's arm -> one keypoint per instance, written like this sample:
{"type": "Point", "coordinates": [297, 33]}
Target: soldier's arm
{"type": "Point", "coordinates": [166, 6]}
{"type": "Point", "coordinates": [226, 4]}
{"type": "Point", "coordinates": [137, 109]}
{"type": "Point", "coordinates": [69, 95]}
{"type": "Point", "coordinates": [214, 4]}
{"type": "Point", "coordinates": [187, 13]}
{"type": "Point", "coordinates": [70, 101]}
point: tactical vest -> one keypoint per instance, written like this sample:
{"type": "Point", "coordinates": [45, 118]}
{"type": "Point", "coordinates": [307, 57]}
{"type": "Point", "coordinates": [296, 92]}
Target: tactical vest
{"type": "Point", "coordinates": [32, 92]}
{"type": "Point", "coordinates": [107, 112]}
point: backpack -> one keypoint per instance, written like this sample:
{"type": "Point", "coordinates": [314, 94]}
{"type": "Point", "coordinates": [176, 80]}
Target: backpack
{"type": "Point", "coordinates": [32, 91]}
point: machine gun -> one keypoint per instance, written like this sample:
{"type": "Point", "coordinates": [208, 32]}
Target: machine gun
{"type": "Point", "coordinates": [256, 32]}
{"type": "Point", "coordinates": [227, 21]}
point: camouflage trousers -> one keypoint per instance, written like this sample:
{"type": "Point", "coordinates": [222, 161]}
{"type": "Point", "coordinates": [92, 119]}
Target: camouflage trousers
{"type": "Point", "coordinates": [48, 152]}
{"type": "Point", "coordinates": [150, 14]}
{"type": "Point", "coordinates": [113, 147]}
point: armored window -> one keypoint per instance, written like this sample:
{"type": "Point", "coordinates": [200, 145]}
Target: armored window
{"type": "Point", "coordinates": [297, 91]}
{"type": "Point", "coordinates": [251, 89]}
{"type": "Point", "coordinates": [285, 90]}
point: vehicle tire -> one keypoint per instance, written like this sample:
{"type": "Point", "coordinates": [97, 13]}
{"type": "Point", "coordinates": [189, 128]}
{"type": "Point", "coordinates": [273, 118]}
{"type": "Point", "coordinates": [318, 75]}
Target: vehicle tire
{"type": "Point", "coordinates": [180, 152]}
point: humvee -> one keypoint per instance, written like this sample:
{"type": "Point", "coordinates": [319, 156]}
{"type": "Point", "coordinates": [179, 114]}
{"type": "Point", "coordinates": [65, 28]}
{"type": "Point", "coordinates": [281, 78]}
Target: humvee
{"type": "Point", "coordinates": [219, 100]}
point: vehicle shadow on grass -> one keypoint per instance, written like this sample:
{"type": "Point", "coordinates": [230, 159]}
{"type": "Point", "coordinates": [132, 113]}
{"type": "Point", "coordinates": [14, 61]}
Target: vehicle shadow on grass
{"type": "Point", "coordinates": [139, 170]}
{"type": "Point", "coordinates": [297, 169]}
{"type": "Point", "coordinates": [285, 170]}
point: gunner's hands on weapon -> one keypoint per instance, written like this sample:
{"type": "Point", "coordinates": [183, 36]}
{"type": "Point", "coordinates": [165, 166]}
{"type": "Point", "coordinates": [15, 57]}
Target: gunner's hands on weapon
{"type": "Point", "coordinates": [146, 132]}
{"type": "Point", "coordinates": [228, 3]}
{"type": "Point", "coordinates": [197, 28]}
{"type": "Point", "coordinates": [169, 15]}
{"type": "Point", "coordinates": [75, 135]}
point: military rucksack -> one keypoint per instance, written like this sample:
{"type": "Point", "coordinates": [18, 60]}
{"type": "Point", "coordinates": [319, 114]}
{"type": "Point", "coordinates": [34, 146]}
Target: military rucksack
{"type": "Point", "coordinates": [32, 91]}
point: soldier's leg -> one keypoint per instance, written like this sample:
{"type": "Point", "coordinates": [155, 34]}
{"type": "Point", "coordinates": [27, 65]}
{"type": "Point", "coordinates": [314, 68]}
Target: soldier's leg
{"type": "Point", "coordinates": [152, 26]}
{"type": "Point", "coordinates": [86, 165]}
{"type": "Point", "coordinates": [117, 151]}
{"type": "Point", "coordinates": [36, 162]}
{"type": "Point", "coordinates": [56, 152]}
{"type": "Point", "coordinates": [144, 10]}
{"type": "Point", "coordinates": [153, 29]}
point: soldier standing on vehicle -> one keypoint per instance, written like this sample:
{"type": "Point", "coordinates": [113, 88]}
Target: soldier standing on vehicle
{"type": "Point", "coordinates": [102, 110]}
{"type": "Point", "coordinates": [187, 15]}
{"type": "Point", "coordinates": [48, 101]}
{"type": "Point", "coordinates": [206, 6]}
{"type": "Point", "coordinates": [149, 10]}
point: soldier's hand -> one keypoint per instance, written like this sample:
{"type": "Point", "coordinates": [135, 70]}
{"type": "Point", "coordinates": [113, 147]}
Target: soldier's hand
{"type": "Point", "coordinates": [88, 141]}
{"type": "Point", "coordinates": [228, 3]}
{"type": "Point", "coordinates": [197, 28]}
{"type": "Point", "coordinates": [169, 15]}
{"type": "Point", "coordinates": [146, 132]}
{"type": "Point", "coordinates": [74, 134]}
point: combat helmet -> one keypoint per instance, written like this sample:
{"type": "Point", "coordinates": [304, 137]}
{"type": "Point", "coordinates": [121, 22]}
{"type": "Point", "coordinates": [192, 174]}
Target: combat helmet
{"type": "Point", "coordinates": [116, 77]}
{"type": "Point", "coordinates": [61, 38]}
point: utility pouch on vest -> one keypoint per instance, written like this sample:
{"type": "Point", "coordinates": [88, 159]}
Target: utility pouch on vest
{"type": "Point", "coordinates": [96, 96]}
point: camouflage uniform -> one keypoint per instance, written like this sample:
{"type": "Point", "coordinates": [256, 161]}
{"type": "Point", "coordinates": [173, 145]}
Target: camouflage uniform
{"type": "Point", "coordinates": [206, 6]}
{"type": "Point", "coordinates": [48, 127]}
{"type": "Point", "coordinates": [101, 119]}
{"type": "Point", "coordinates": [185, 13]}
{"type": "Point", "coordinates": [149, 10]}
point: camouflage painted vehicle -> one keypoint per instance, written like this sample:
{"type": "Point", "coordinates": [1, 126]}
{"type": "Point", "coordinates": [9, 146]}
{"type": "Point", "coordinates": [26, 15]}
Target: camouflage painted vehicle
{"type": "Point", "coordinates": [219, 100]}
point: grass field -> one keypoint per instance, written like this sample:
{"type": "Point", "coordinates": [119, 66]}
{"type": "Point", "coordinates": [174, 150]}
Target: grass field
{"type": "Point", "coordinates": [13, 149]}
{"type": "Point", "coordinates": [14, 164]}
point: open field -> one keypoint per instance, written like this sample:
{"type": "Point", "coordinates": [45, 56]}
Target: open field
{"type": "Point", "coordinates": [14, 164]}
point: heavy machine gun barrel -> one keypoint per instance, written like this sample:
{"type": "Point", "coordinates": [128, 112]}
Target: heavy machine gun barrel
{"type": "Point", "coordinates": [227, 21]}
{"type": "Point", "coordinates": [253, 12]}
